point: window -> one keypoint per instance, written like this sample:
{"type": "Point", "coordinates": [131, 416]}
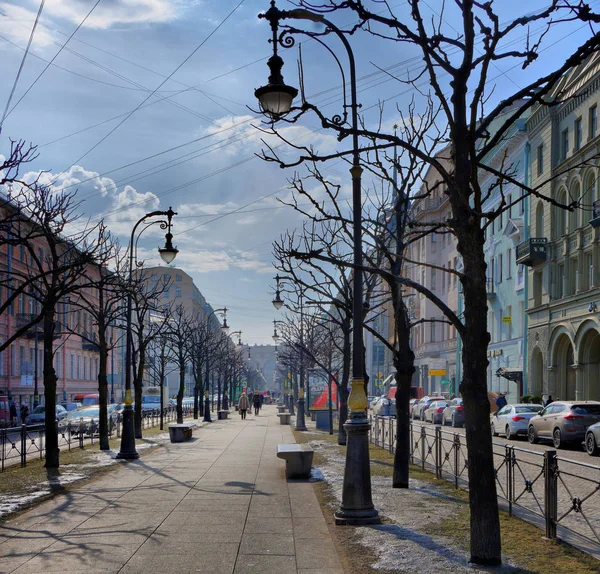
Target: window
{"type": "Point", "coordinates": [456, 276]}
{"type": "Point", "coordinates": [178, 292]}
{"type": "Point", "coordinates": [78, 367]}
{"type": "Point", "coordinates": [561, 281]}
{"type": "Point", "coordinates": [499, 324]}
{"type": "Point", "coordinates": [444, 280]}
{"type": "Point", "coordinates": [590, 266]}
{"type": "Point", "coordinates": [21, 253]}
{"type": "Point", "coordinates": [491, 324]}
{"type": "Point", "coordinates": [592, 122]}
{"type": "Point", "coordinates": [166, 277]}
{"type": "Point", "coordinates": [72, 366]}
{"type": "Point", "coordinates": [85, 368]}
{"type": "Point", "coordinates": [578, 133]}
{"type": "Point", "coordinates": [13, 361]}
{"type": "Point", "coordinates": [500, 268]}
{"type": "Point", "coordinates": [432, 332]}
{"type": "Point", "coordinates": [564, 144]}
{"type": "Point", "coordinates": [509, 264]}
{"type": "Point", "coordinates": [492, 270]}
{"type": "Point", "coordinates": [433, 237]}
{"type": "Point", "coordinates": [178, 278]}
{"type": "Point", "coordinates": [154, 278]}
{"type": "Point", "coordinates": [433, 279]}
{"type": "Point", "coordinates": [166, 294]}
{"type": "Point", "coordinates": [540, 159]}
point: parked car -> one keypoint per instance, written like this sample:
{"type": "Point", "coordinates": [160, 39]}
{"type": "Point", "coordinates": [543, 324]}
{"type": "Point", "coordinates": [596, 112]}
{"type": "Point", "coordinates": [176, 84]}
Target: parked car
{"type": "Point", "coordinates": [381, 406]}
{"type": "Point", "coordinates": [38, 415]}
{"type": "Point", "coordinates": [411, 404]}
{"type": "Point", "coordinates": [4, 411]}
{"type": "Point", "coordinates": [592, 440]}
{"type": "Point", "coordinates": [563, 422]}
{"type": "Point", "coordinates": [418, 411]}
{"type": "Point", "coordinates": [434, 412]}
{"type": "Point", "coordinates": [513, 420]}
{"type": "Point", "coordinates": [454, 413]}
{"type": "Point", "coordinates": [70, 406]}
{"type": "Point", "coordinates": [86, 420]}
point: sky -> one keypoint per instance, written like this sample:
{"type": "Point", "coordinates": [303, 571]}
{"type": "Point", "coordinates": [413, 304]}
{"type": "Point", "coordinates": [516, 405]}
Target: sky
{"type": "Point", "coordinates": [150, 104]}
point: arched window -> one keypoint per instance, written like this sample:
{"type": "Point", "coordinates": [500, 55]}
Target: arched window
{"type": "Point", "coordinates": [561, 224]}
{"type": "Point", "coordinates": [539, 219]}
{"type": "Point", "coordinates": [589, 197]}
{"type": "Point", "coordinates": [575, 215]}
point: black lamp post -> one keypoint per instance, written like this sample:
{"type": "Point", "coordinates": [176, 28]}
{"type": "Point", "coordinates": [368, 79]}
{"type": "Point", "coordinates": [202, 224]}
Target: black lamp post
{"type": "Point", "coordinates": [167, 254]}
{"type": "Point", "coordinates": [276, 100]}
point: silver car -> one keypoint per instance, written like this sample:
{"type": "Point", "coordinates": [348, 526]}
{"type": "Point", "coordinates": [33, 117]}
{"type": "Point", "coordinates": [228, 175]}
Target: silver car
{"type": "Point", "coordinates": [86, 420]}
{"type": "Point", "coordinates": [513, 420]}
{"type": "Point", "coordinates": [435, 412]}
{"type": "Point", "coordinates": [563, 422]}
{"type": "Point", "coordinates": [592, 440]}
{"type": "Point", "coordinates": [418, 411]}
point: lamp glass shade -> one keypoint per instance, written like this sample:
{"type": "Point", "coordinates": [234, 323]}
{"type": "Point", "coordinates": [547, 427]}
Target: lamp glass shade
{"type": "Point", "coordinates": [168, 254]}
{"type": "Point", "coordinates": [276, 102]}
{"type": "Point", "coordinates": [225, 328]}
{"type": "Point", "coordinates": [277, 303]}
{"type": "Point", "coordinates": [276, 339]}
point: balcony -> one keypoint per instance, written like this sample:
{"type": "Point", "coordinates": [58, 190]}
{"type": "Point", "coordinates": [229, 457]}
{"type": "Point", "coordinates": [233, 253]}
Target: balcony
{"type": "Point", "coordinates": [88, 342]}
{"type": "Point", "coordinates": [37, 329]}
{"type": "Point", "coordinates": [490, 289]}
{"type": "Point", "coordinates": [532, 251]}
{"type": "Point", "coordinates": [595, 221]}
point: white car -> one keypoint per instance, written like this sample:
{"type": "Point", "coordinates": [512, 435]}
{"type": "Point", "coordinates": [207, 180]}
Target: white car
{"type": "Point", "coordinates": [38, 415]}
{"type": "Point", "coordinates": [512, 420]}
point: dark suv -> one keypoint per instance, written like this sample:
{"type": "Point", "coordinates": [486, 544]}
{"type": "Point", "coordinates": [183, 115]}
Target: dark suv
{"type": "Point", "coordinates": [563, 422]}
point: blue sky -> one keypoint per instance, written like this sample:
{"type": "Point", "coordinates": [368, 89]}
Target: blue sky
{"type": "Point", "coordinates": [123, 52]}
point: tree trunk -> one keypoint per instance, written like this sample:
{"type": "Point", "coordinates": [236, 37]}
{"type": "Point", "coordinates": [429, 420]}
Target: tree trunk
{"type": "Point", "coordinates": [483, 502]}
{"type": "Point", "coordinates": [404, 362]}
{"type": "Point", "coordinates": [103, 395]}
{"type": "Point", "coordinates": [196, 400]}
{"type": "Point", "coordinates": [50, 379]}
{"type": "Point", "coordinates": [180, 392]}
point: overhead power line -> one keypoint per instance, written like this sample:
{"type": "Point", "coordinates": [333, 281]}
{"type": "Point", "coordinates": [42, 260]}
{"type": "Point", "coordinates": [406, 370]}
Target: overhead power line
{"type": "Point", "coordinates": [53, 58]}
{"type": "Point", "coordinates": [22, 64]}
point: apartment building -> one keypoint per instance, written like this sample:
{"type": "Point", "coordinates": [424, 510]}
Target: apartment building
{"type": "Point", "coordinates": [562, 252]}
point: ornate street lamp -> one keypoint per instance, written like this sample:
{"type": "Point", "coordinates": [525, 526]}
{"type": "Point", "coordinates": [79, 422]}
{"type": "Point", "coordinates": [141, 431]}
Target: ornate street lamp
{"type": "Point", "coordinates": [276, 337]}
{"type": "Point", "coordinates": [168, 254]}
{"type": "Point", "coordinates": [278, 301]}
{"type": "Point", "coordinates": [357, 504]}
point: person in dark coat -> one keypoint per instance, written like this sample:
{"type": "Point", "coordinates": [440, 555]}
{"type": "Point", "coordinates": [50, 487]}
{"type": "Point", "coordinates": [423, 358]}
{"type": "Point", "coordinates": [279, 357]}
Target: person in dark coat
{"type": "Point", "coordinates": [549, 400]}
{"type": "Point", "coordinates": [501, 401]}
{"type": "Point", "coordinates": [13, 414]}
{"type": "Point", "coordinates": [24, 412]}
{"type": "Point", "coordinates": [256, 403]}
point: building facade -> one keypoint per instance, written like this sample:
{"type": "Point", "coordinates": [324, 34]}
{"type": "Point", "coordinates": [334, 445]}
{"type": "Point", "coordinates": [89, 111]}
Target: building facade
{"type": "Point", "coordinates": [562, 252]}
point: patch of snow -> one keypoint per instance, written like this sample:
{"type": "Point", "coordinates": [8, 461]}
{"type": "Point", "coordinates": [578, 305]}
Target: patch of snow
{"type": "Point", "coordinates": [10, 503]}
{"type": "Point", "coordinates": [316, 475]}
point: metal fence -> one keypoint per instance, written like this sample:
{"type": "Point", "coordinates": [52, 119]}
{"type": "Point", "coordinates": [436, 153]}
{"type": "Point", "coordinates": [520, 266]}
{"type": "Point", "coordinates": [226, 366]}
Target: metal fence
{"type": "Point", "coordinates": [27, 442]}
{"type": "Point", "coordinates": [542, 487]}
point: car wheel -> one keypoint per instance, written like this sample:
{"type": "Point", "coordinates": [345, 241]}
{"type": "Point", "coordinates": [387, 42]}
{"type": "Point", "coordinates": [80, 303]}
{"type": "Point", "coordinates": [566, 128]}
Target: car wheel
{"type": "Point", "coordinates": [507, 433]}
{"type": "Point", "coordinates": [557, 438]}
{"type": "Point", "coordinates": [590, 445]}
{"type": "Point", "coordinates": [531, 435]}
{"type": "Point", "coordinates": [494, 433]}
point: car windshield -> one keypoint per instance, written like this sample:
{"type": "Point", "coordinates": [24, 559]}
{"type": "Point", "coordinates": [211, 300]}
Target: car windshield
{"type": "Point", "coordinates": [39, 410]}
{"type": "Point", "coordinates": [586, 409]}
{"type": "Point", "coordinates": [531, 409]}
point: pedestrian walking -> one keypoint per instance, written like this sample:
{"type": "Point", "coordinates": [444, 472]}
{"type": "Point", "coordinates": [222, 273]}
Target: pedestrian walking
{"type": "Point", "coordinates": [501, 401]}
{"type": "Point", "coordinates": [256, 403]}
{"type": "Point", "coordinates": [24, 412]}
{"type": "Point", "coordinates": [243, 405]}
{"type": "Point", "coordinates": [13, 414]}
{"type": "Point", "coordinates": [549, 400]}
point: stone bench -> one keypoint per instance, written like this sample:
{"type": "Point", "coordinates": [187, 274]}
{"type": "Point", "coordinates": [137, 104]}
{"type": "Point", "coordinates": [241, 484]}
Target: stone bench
{"type": "Point", "coordinates": [298, 459]}
{"type": "Point", "coordinates": [284, 418]}
{"type": "Point", "coordinates": [181, 432]}
{"type": "Point", "coordinates": [281, 409]}
{"type": "Point", "coordinates": [222, 415]}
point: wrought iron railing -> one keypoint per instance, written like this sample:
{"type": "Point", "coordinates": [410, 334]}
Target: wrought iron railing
{"type": "Point", "coordinates": [563, 493]}
{"type": "Point", "coordinates": [18, 445]}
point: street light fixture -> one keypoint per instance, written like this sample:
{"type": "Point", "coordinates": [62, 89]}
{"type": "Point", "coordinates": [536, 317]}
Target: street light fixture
{"type": "Point", "coordinates": [276, 337]}
{"type": "Point", "coordinates": [278, 301]}
{"type": "Point", "coordinates": [357, 503]}
{"type": "Point", "coordinates": [168, 254]}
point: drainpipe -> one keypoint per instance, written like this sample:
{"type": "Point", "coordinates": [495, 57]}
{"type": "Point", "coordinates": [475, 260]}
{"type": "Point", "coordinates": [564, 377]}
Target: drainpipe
{"type": "Point", "coordinates": [526, 181]}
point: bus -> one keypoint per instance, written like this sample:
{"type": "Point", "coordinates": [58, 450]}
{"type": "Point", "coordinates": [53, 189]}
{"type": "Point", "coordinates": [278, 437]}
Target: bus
{"type": "Point", "coordinates": [151, 397]}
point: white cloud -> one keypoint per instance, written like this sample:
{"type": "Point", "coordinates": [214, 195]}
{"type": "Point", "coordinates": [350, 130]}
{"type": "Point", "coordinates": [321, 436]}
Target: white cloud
{"type": "Point", "coordinates": [206, 208]}
{"type": "Point", "coordinates": [16, 23]}
{"type": "Point", "coordinates": [112, 12]}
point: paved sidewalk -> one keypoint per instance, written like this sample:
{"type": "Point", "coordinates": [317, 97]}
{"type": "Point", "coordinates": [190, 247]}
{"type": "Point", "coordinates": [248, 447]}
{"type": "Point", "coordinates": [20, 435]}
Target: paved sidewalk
{"type": "Point", "coordinates": [217, 504]}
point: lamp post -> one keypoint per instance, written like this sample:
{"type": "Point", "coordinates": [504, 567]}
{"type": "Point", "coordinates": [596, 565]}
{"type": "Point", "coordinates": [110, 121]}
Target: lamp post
{"type": "Point", "coordinates": [300, 422]}
{"type": "Point", "coordinates": [233, 387]}
{"type": "Point", "coordinates": [276, 100]}
{"type": "Point", "coordinates": [167, 254]}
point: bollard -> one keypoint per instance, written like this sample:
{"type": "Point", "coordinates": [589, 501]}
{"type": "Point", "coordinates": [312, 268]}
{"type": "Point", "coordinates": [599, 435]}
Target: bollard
{"type": "Point", "coordinates": [80, 433]}
{"type": "Point", "coordinates": [550, 493]}
{"type": "Point", "coordinates": [412, 441]}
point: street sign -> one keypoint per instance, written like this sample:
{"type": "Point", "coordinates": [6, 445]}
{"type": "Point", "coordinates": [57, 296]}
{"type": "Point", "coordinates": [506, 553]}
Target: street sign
{"type": "Point", "coordinates": [437, 372]}
{"type": "Point", "coordinates": [507, 319]}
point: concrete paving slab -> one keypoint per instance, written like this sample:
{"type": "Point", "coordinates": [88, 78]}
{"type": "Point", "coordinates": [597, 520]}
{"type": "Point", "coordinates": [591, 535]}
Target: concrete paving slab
{"type": "Point", "coordinates": [253, 563]}
{"type": "Point", "coordinates": [219, 505]}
